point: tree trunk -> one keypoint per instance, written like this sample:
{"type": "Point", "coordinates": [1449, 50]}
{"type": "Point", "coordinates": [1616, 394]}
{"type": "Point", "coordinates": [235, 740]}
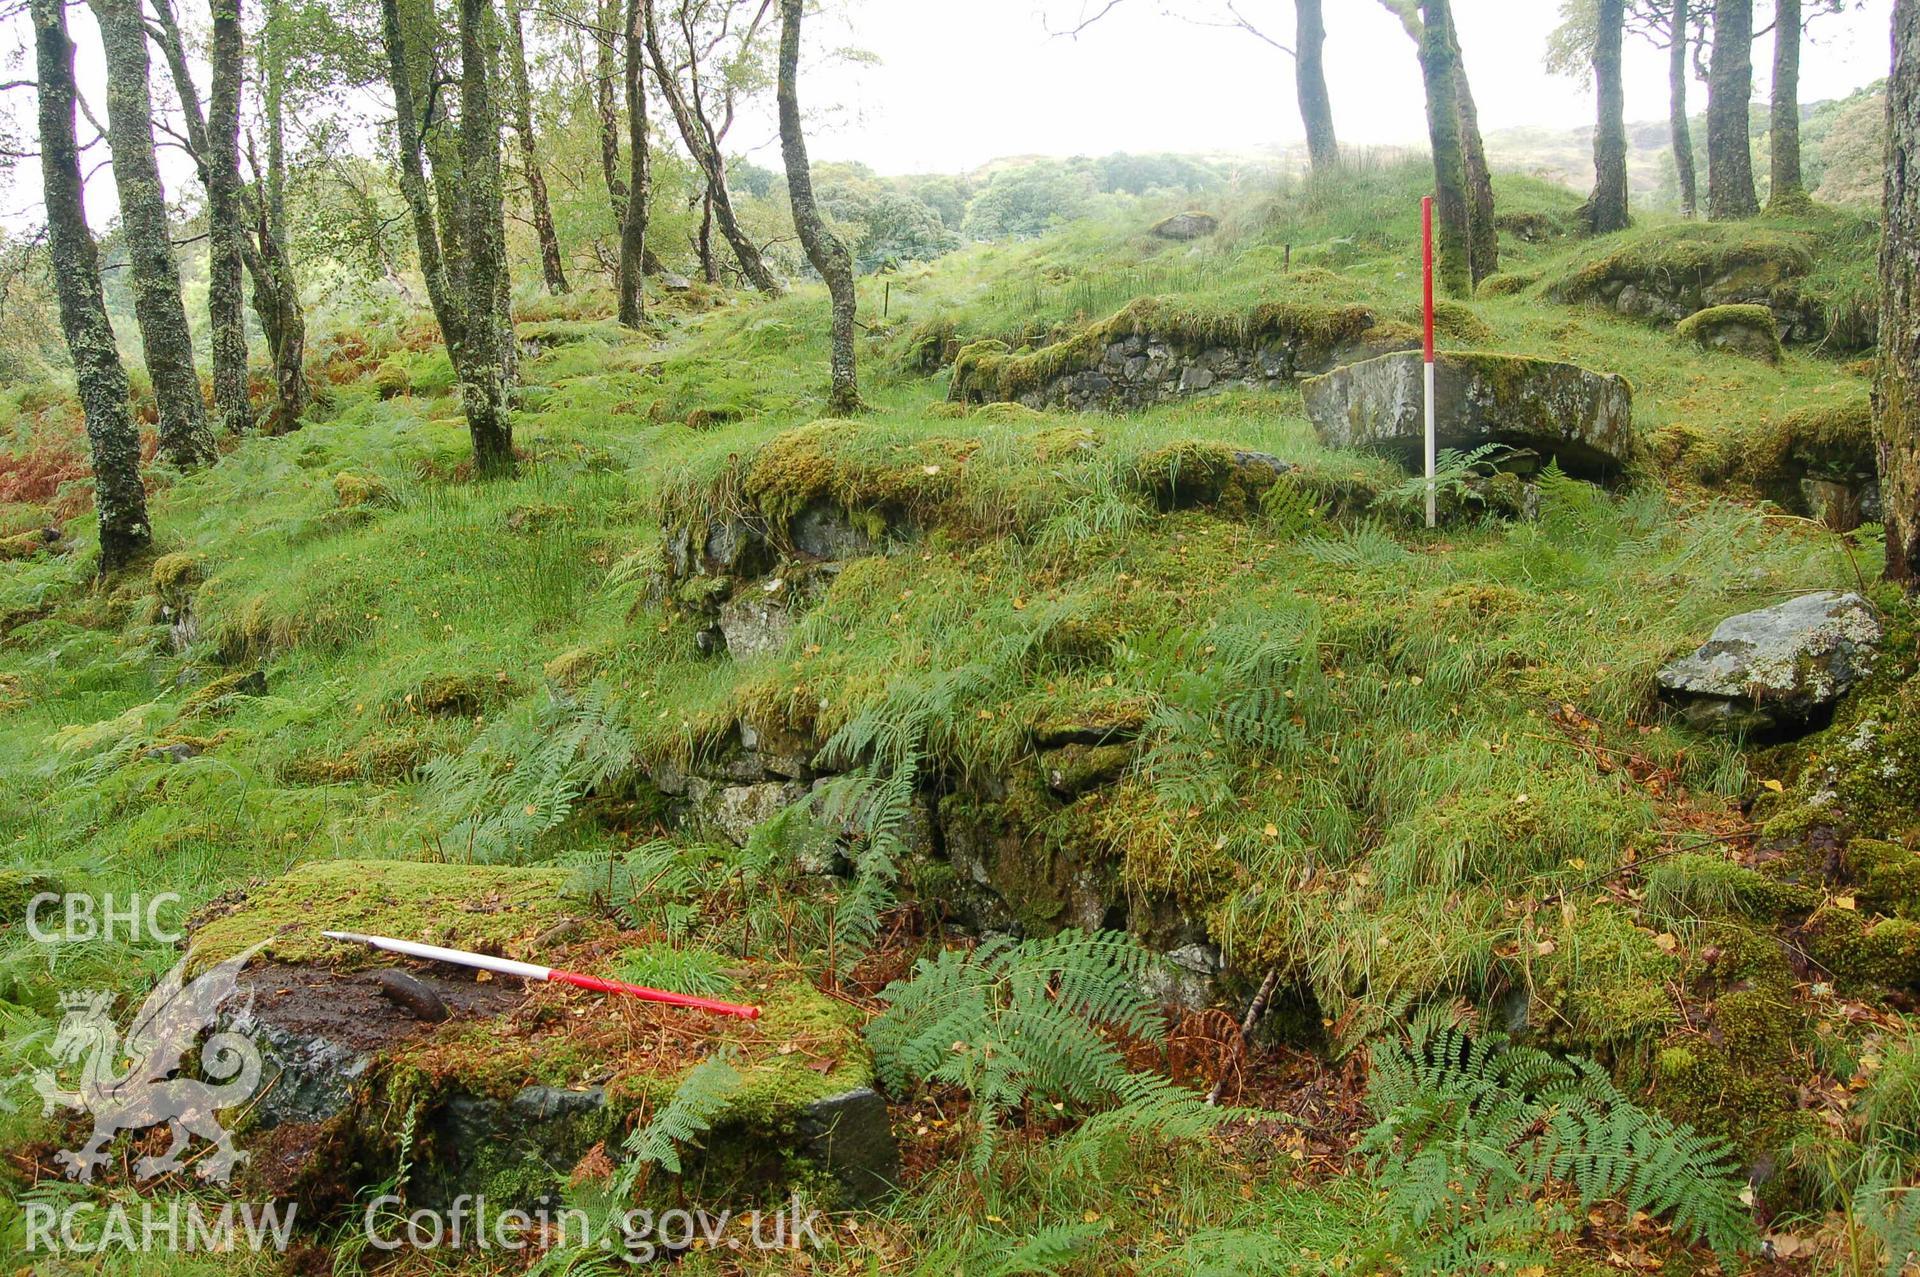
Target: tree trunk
{"type": "Point", "coordinates": [1897, 371]}
{"type": "Point", "coordinates": [1483, 236]}
{"type": "Point", "coordinates": [1784, 142]}
{"type": "Point", "coordinates": [633, 229]}
{"type": "Point", "coordinates": [703, 240]}
{"type": "Point", "coordinates": [226, 301]}
{"type": "Point", "coordinates": [153, 276]}
{"type": "Point", "coordinates": [467, 308]}
{"type": "Point", "coordinates": [1606, 209]}
{"type": "Point", "coordinates": [258, 256]}
{"type": "Point", "coordinates": [704, 147]}
{"type": "Point", "coordinates": [606, 99]}
{"type": "Point", "coordinates": [413, 183]}
{"type": "Point", "coordinates": [824, 249]}
{"type": "Point", "coordinates": [1678, 120]}
{"type": "Point", "coordinates": [114, 444]}
{"type": "Point", "coordinates": [276, 289]}
{"type": "Point", "coordinates": [1729, 92]}
{"type": "Point", "coordinates": [1310, 78]}
{"type": "Point", "coordinates": [483, 379]}
{"type": "Point", "coordinates": [1449, 164]}
{"type": "Point", "coordinates": [550, 268]}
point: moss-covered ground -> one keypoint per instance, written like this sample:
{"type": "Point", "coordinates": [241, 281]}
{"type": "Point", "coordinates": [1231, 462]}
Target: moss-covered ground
{"type": "Point", "coordinates": [1399, 765]}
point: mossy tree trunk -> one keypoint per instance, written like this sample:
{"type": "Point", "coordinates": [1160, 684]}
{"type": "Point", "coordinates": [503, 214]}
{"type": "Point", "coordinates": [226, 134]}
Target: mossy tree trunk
{"type": "Point", "coordinates": [153, 275]}
{"type": "Point", "coordinates": [703, 239]}
{"type": "Point", "coordinates": [1897, 372]}
{"type": "Point", "coordinates": [467, 307]}
{"type": "Point", "coordinates": [824, 249]}
{"type": "Point", "coordinates": [1606, 209]}
{"type": "Point", "coordinates": [113, 444]}
{"type": "Point", "coordinates": [1730, 191]}
{"type": "Point", "coordinates": [551, 269]}
{"type": "Point", "coordinates": [276, 290]}
{"type": "Point", "coordinates": [1451, 201]}
{"type": "Point", "coordinates": [484, 380]}
{"type": "Point", "coordinates": [226, 250]}
{"type": "Point", "coordinates": [1310, 79]}
{"type": "Point", "coordinates": [1787, 184]}
{"type": "Point", "coordinates": [633, 227]}
{"type": "Point", "coordinates": [607, 103]}
{"type": "Point", "coordinates": [1677, 117]}
{"type": "Point", "coordinates": [1483, 236]}
{"type": "Point", "coordinates": [276, 307]}
{"type": "Point", "coordinates": [688, 107]}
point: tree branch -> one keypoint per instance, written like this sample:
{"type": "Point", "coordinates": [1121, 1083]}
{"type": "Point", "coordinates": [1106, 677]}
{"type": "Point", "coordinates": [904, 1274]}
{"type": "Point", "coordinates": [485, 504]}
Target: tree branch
{"type": "Point", "coordinates": [1086, 20]}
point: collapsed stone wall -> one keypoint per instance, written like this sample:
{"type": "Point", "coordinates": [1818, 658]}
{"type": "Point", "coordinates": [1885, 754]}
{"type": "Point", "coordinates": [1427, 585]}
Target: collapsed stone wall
{"type": "Point", "coordinates": [1670, 278]}
{"type": "Point", "coordinates": [1152, 353]}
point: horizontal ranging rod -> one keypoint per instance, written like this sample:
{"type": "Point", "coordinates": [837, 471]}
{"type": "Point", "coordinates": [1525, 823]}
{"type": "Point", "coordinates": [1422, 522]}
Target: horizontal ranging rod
{"type": "Point", "coordinates": [533, 971]}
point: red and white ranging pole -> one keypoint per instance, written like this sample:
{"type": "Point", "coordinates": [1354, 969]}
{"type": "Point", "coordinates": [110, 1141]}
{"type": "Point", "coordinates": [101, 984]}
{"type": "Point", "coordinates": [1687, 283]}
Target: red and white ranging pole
{"type": "Point", "coordinates": [533, 971]}
{"type": "Point", "coordinates": [1426, 265]}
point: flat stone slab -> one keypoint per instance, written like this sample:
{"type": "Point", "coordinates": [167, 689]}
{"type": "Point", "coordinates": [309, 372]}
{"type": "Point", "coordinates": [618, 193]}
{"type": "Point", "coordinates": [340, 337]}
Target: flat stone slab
{"type": "Point", "coordinates": [1582, 419]}
{"type": "Point", "coordinates": [1777, 668]}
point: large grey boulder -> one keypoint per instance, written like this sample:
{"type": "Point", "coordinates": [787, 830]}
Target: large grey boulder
{"type": "Point", "coordinates": [1581, 418]}
{"type": "Point", "coordinates": [1779, 669]}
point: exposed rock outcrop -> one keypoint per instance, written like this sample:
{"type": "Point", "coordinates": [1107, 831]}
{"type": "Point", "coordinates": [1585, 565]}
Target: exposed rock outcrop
{"type": "Point", "coordinates": [1582, 419]}
{"type": "Point", "coordinates": [1778, 669]}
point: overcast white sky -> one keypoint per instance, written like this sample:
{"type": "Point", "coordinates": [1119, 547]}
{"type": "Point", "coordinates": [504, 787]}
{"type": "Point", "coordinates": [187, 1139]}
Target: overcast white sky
{"type": "Point", "coordinates": [957, 84]}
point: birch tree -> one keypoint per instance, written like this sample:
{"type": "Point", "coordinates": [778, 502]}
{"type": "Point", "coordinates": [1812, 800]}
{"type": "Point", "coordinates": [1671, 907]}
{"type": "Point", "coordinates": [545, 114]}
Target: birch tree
{"type": "Point", "coordinates": [551, 269]}
{"type": "Point", "coordinates": [461, 250]}
{"type": "Point", "coordinates": [112, 442]}
{"type": "Point", "coordinates": [824, 249]}
{"type": "Point", "coordinates": [152, 274]}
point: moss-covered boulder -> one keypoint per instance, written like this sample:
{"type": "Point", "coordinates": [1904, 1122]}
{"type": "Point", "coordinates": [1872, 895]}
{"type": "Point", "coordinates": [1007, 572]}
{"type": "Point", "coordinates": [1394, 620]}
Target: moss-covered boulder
{"type": "Point", "coordinates": [1604, 983]}
{"type": "Point", "coordinates": [1206, 473]}
{"type": "Point", "coordinates": [354, 490]}
{"type": "Point", "coordinates": [1582, 419]}
{"type": "Point", "coordinates": [1190, 225]}
{"type": "Point", "coordinates": [1742, 330]}
{"type": "Point", "coordinates": [1822, 461]}
{"type": "Point", "coordinates": [175, 577]}
{"type": "Point", "coordinates": [25, 545]}
{"type": "Point", "coordinates": [454, 694]}
{"type": "Point", "coordinates": [1506, 284]}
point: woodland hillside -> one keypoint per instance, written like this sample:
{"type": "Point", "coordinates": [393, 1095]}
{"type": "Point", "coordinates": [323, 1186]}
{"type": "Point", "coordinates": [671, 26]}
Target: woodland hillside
{"type": "Point", "coordinates": [991, 626]}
